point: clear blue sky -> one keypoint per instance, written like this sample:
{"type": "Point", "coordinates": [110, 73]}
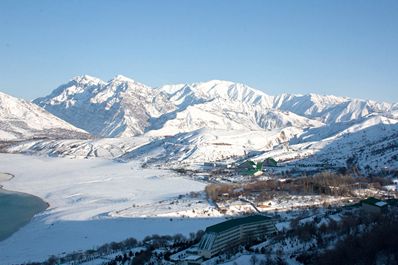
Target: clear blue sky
{"type": "Point", "coordinates": [329, 47]}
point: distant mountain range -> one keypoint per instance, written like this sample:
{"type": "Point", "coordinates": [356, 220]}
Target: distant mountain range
{"type": "Point", "coordinates": [123, 107]}
{"type": "Point", "coordinates": [199, 122]}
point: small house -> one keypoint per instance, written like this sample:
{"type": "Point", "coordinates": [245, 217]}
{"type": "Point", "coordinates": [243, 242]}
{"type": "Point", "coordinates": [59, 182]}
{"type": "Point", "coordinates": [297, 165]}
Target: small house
{"type": "Point", "coordinates": [247, 168]}
{"type": "Point", "coordinates": [270, 162]}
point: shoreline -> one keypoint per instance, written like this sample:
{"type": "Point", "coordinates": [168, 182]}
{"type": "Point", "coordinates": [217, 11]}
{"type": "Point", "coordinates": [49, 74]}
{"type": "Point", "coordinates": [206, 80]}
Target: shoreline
{"type": "Point", "coordinates": [20, 207]}
{"type": "Point", "coordinates": [5, 177]}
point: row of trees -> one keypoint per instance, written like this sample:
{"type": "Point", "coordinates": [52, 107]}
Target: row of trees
{"type": "Point", "coordinates": [325, 183]}
{"type": "Point", "coordinates": [148, 244]}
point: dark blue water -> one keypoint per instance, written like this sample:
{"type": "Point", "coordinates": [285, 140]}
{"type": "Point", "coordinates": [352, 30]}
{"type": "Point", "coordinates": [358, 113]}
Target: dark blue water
{"type": "Point", "coordinates": [16, 210]}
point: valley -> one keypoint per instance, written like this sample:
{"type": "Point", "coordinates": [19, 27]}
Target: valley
{"type": "Point", "coordinates": [118, 159]}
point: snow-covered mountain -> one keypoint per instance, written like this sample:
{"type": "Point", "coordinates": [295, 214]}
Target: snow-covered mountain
{"type": "Point", "coordinates": [20, 119]}
{"type": "Point", "coordinates": [117, 108]}
{"type": "Point", "coordinates": [218, 89]}
{"type": "Point", "coordinates": [211, 121]}
{"type": "Point", "coordinates": [123, 107]}
{"type": "Point", "coordinates": [327, 109]}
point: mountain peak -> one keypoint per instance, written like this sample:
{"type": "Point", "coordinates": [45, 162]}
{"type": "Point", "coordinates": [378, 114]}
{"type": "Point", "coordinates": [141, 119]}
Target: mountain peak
{"type": "Point", "coordinates": [122, 78]}
{"type": "Point", "coordinates": [219, 82]}
{"type": "Point", "coordinates": [87, 79]}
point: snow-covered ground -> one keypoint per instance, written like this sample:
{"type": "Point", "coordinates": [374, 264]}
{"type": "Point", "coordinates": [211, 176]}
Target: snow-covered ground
{"type": "Point", "coordinates": [95, 201]}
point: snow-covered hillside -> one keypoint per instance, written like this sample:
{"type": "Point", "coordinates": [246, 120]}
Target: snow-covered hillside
{"type": "Point", "coordinates": [108, 148]}
{"type": "Point", "coordinates": [369, 144]}
{"type": "Point", "coordinates": [223, 114]}
{"type": "Point", "coordinates": [189, 148]}
{"type": "Point", "coordinates": [329, 109]}
{"type": "Point", "coordinates": [205, 145]}
{"type": "Point", "coordinates": [20, 119]}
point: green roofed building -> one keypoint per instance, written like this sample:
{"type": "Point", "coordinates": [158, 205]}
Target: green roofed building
{"type": "Point", "coordinates": [270, 162]}
{"type": "Point", "coordinates": [250, 168]}
{"type": "Point", "coordinates": [230, 233]}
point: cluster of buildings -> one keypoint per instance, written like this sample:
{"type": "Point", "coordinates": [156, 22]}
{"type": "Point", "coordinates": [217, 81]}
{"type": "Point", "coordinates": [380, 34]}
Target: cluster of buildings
{"type": "Point", "coordinates": [251, 168]}
{"type": "Point", "coordinates": [226, 235]}
{"type": "Point", "coordinates": [223, 236]}
{"type": "Point", "coordinates": [246, 167]}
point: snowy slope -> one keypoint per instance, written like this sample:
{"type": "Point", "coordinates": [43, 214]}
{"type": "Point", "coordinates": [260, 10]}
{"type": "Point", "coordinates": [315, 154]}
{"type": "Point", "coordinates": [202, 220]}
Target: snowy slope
{"type": "Point", "coordinates": [371, 144]}
{"type": "Point", "coordinates": [329, 109]}
{"type": "Point", "coordinates": [108, 148]}
{"type": "Point", "coordinates": [202, 145]}
{"type": "Point", "coordinates": [223, 114]}
{"type": "Point", "coordinates": [208, 145]}
{"type": "Point", "coordinates": [20, 119]}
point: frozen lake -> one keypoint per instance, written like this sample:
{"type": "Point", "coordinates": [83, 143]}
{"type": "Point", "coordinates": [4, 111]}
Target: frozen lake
{"type": "Point", "coordinates": [96, 201]}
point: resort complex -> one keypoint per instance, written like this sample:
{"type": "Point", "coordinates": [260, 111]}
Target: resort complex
{"type": "Point", "coordinates": [233, 232]}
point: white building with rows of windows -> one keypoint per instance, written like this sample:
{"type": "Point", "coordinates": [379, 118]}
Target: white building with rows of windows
{"type": "Point", "coordinates": [233, 232]}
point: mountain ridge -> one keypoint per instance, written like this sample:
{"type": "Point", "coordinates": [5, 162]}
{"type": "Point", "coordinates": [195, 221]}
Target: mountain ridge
{"type": "Point", "coordinates": [132, 108]}
{"type": "Point", "coordinates": [191, 124]}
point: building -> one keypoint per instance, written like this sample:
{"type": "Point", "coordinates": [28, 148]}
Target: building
{"type": "Point", "coordinates": [233, 232]}
{"type": "Point", "coordinates": [373, 205]}
{"type": "Point", "coordinates": [187, 257]}
{"type": "Point", "coordinates": [188, 260]}
{"type": "Point", "coordinates": [193, 260]}
{"type": "Point", "coordinates": [250, 168]}
{"type": "Point", "coordinates": [270, 162]}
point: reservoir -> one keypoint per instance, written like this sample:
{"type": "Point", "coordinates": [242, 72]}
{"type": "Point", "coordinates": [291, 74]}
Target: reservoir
{"type": "Point", "coordinates": [17, 209]}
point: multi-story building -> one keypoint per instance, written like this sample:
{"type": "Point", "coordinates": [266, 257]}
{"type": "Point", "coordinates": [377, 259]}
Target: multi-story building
{"type": "Point", "coordinates": [233, 232]}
